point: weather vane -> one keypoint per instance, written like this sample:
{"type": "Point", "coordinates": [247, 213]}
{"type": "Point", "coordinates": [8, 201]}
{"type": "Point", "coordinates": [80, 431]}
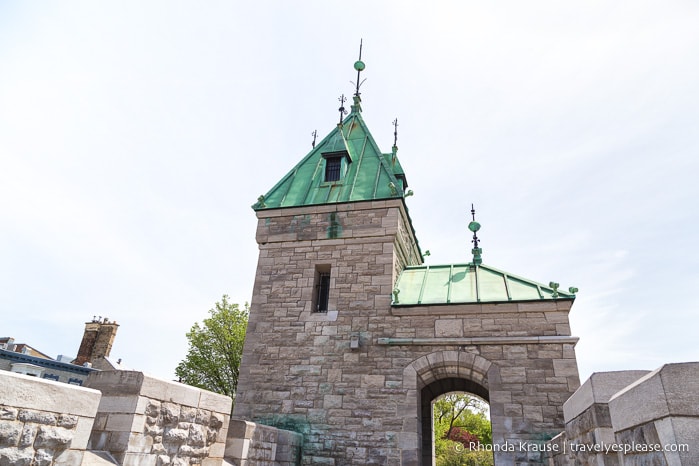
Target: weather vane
{"type": "Point", "coordinates": [314, 134]}
{"type": "Point", "coordinates": [342, 110]}
{"type": "Point", "coordinates": [359, 66]}
{"type": "Point", "coordinates": [474, 227]}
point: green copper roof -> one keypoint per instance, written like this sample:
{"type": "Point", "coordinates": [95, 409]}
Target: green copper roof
{"type": "Point", "coordinates": [366, 173]}
{"type": "Point", "coordinates": [468, 283]}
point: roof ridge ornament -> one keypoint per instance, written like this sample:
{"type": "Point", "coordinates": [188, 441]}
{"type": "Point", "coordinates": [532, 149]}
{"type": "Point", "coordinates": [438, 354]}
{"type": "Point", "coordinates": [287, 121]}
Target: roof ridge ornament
{"type": "Point", "coordinates": [474, 227]}
{"type": "Point", "coordinates": [359, 66]}
{"type": "Point", "coordinates": [394, 149]}
{"type": "Point", "coordinates": [342, 110]}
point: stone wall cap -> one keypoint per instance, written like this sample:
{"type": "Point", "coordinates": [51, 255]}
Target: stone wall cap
{"type": "Point", "coordinates": [669, 390]}
{"type": "Point", "coordinates": [23, 391]}
{"type": "Point", "coordinates": [598, 388]}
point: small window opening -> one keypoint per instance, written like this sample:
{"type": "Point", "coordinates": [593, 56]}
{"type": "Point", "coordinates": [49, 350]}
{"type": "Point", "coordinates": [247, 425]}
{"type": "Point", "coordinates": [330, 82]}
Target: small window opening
{"type": "Point", "coordinates": [321, 294]}
{"type": "Point", "coordinates": [333, 166]}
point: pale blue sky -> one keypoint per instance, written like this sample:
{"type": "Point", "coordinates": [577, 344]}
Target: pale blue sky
{"type": "Point", "coordinates": [134, 136]}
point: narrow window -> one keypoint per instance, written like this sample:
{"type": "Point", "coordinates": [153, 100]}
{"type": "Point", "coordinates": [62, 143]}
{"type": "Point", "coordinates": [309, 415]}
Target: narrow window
{"type": "Point", "coordinates": [321, 292]}
{"type": "Point", "coordinates": [335, 165]}
{"type": "Point", "coordinates": [332, 168]}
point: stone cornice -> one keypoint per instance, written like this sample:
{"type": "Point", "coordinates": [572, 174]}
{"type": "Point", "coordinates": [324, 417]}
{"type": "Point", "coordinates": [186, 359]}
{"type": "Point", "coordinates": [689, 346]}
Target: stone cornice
{"type": "Point", "coordinates": [506, 340]}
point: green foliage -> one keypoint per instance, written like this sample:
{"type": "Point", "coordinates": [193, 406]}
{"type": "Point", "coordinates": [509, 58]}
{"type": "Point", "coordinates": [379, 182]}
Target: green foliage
{"type": "Point", "coordinates": [215, 349]}
{"type": "Point", "coordinates": [458, 416]}
{"type": "Point", "coordinates": [455, 456]}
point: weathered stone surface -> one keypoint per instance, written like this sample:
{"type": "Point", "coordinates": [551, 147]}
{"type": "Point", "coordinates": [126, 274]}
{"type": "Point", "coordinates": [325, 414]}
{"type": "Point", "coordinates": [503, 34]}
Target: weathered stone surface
{"type": "Point", "coordinates": [38, 417]}
{"type": "Point", "coordinates": [28, 435]}
{"type": "Point", "coordinates": [43, 457]}
{"type": "Point", "coordinates": [170, 413]}
{"type": "Point", "coordinates": [67, 421]}
{"type": "Point", "coordinates": [55, 438]}
{"type": "Point", "coordinates": [197, 436]}
{"type": "Point", "coordinates": [16, 456]}
{"type": "Point", "coordinates": [10, 433]}
{"type": "Point", "coordinates": [153, 408]}
{"type": "Point", "coordinates": [8, 413]}
{"type": "Point", "coordinates": [39, 395]}
{"type": "Point", "coordinates": [177, 436]}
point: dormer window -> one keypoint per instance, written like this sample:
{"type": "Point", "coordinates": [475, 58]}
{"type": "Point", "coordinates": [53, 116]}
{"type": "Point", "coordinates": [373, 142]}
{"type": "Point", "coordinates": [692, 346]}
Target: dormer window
{"type": "Point", "coordinates": [335, 165]}
{"type": "Point", "coordinates": [332, 168]}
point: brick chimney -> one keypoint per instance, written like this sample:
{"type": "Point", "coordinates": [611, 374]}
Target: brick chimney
{"type": "Point", "coordinates": [97, 340]}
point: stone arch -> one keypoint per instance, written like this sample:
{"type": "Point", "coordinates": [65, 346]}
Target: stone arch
{"type": "Point", "coordinates": [430, 376]}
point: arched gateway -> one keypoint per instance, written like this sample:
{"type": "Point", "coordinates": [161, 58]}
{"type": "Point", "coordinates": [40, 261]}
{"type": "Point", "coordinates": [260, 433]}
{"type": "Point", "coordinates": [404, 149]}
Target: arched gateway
{"type": "Point", "coordinates": [439, 373]}
{"type": "Point", "coordinates": [351, 335]}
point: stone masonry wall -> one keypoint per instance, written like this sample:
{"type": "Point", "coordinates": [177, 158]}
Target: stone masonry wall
{"type": "Point", "coordinates": [254, 444]}
{"type": "Point", "coordinates": [363, 405]}
{"type": "Point", "coordinates": [527, 347]}
{"type": "Point", "coordinates": [294, 359]}
{"type": "Point", "coordinates": [632, 418]}
{"type": "Point", "coordinates": [44, 423]}
{"type": "Point", "coordinates": [143, 421]}
{"type": "Point", "coordinates": [669, 418]}
{"type": "Point", "coordinates": [588, 422]}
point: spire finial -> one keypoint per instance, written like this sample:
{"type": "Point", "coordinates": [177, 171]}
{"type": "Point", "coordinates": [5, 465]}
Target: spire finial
{"type": "Point", "coordinates": [314, 134]}
{"type": "Point", "coordinates": [474, 227]}
{"type": "Point", "coordinates": [342, 110]}
{"type": "Point", "coordinates": [359, 66]}
{"type": "Point", "coordinates": [395, 132]}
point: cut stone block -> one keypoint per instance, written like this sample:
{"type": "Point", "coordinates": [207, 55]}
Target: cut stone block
{"type": "Point", "coordinates": [669, 390]}
{"type": "Point", "coordinates": [599, 388]}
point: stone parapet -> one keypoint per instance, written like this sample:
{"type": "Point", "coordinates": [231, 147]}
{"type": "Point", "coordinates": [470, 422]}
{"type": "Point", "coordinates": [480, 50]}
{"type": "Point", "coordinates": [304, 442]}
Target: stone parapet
{"type": "Point", "coordinates": [145, 421]}
{"type": "Point", "coordinates": [587, 419]}
{"type": "Point", "coordinates": [661, 409]}
{"type": "Point", "coordinates": [256, 444]}
{"type": "Point", "coordinates": [44, 422]}
{"type": "Point", "coordinates": [632, 418]}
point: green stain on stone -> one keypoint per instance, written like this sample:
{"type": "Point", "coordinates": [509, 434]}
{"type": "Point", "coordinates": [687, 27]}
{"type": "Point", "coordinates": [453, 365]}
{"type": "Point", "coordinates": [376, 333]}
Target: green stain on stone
{"type": "Point", "coordinates": [335, 228]}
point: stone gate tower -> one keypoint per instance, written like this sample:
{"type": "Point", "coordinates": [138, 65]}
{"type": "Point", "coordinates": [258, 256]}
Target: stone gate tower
{"type": "Point", "coordinates": [351, 337]}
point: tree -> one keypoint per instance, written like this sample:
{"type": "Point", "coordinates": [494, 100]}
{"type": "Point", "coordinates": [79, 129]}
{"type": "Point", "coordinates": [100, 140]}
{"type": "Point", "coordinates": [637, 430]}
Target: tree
{"type": "Point", "coordinates": [461, 420]}
{"type": "Point", "coordinates": [215, 349]}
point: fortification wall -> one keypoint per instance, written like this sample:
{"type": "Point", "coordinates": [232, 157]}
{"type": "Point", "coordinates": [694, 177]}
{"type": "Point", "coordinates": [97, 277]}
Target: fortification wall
{"type": "Point", "coordinates": [142, 420]}
{"type": "Point", "coordinates": [128, 418]}
{"type": "Point", "coordinates": [632, 418]}
{"type": "Point", "coordinates": [255, 444]}
{"type": "Point", "coordinates": [43, 422]}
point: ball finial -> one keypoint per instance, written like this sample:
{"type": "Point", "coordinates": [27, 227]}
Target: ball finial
{"type": "Point", "coordinates": [359, 65]}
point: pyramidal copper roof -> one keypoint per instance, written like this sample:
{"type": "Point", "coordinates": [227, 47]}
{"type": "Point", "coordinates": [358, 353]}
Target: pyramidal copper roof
{"type": "Point", "coordinates": [366, 173]}
{"type": "Point", "coordinates": [468, 283]}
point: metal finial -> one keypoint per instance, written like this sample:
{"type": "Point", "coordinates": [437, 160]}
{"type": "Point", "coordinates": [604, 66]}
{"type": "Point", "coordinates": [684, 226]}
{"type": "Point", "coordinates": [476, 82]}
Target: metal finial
{"type": "Point", "coordinates": [395, 132]}
{"type": "Point", "coordinates": [474, 227]}
{"type": "Point", "coordinates": [314, 134]}
{"type": "Point", "coordinates": [342, 110]}
{"type": "Point", "coordinates": [554, 287]}
{"type": "Point", "coordinates": [359, 66]}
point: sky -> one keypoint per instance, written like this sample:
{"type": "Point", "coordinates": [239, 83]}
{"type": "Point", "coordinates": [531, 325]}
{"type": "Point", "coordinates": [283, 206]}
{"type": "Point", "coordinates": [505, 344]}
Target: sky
{"type": "Point", "coordinates": [135, 136]}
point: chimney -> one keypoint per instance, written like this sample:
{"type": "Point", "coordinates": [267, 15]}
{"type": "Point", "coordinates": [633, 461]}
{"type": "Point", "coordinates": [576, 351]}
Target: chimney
{"type": "Point", "coordinates": [97, 340]}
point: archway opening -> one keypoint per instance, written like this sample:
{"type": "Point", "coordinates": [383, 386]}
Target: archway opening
{"type": "Point", "coordinates": [456, 426]}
